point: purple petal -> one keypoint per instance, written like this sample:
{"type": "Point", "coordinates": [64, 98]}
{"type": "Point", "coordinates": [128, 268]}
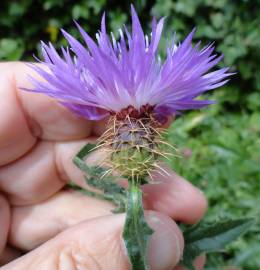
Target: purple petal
{"type": "Point", "coordinates": [106, 76]}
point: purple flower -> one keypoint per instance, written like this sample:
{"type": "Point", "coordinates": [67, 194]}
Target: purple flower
{"type": "Point", "coordinates": [108, 76]}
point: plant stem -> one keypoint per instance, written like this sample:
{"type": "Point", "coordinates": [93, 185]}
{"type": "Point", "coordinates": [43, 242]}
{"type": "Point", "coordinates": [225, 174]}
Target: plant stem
{"type": "Point", "coordinates": [136, 231]}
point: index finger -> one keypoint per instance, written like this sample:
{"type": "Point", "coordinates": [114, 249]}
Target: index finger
{"type": "Point", "coordinates": [26, 116]}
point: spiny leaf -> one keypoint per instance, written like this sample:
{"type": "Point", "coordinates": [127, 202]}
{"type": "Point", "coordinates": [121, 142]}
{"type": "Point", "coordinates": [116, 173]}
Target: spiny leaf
{"type": "Point", "coordinates": [111, 191]}
{"type": "Point", "coordinates": [203, 237]}
{"type": "Point", "coordinates": [82, 154]}
{"type": "Point", "coordinates": [136, 231]}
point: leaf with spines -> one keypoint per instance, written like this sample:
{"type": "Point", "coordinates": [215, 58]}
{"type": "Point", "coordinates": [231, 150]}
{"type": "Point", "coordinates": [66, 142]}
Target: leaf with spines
{"type": "Point", "coordinates": [111, 191]}
{"type": "Point", "coordinates": [211, 237]}
{"type": "Point", "coordinates": [81, 155]}
{"type": "Point", "coordinates": [136, 231]}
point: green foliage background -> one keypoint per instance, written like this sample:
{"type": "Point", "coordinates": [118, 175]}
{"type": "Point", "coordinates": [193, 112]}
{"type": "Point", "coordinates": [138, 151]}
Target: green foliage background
{"type": "Point", "coordinates": [220, 146]}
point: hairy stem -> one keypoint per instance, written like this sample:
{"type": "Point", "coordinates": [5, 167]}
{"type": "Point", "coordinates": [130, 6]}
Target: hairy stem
{"type": "Point", "coordinates": [136, 231]}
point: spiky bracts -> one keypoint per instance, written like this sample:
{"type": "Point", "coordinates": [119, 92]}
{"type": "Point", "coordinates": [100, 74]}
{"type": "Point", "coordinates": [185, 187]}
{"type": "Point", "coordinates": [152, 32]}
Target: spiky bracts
{"type": "Point", "coordinates": [133, 140]}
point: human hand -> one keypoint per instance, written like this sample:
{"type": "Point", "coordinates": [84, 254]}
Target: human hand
{"type": "Point", "coordinates": [63, 229]}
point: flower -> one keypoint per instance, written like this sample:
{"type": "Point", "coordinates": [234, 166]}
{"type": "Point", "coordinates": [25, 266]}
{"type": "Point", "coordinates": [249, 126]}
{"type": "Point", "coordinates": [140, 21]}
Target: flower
{"type": "Point", "coordinates": [109, 76]}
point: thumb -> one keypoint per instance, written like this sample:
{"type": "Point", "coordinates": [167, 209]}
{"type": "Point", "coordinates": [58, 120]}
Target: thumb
{"type": "Point", "coordinates": [97, 244]}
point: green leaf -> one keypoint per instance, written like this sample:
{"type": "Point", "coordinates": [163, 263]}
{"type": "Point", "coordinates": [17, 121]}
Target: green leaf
{"type": "Point", "coordinates": [80, 157]}
{"type": "Point", "coordinates": [94, 177]}
{"type": "Point", "coordinates": [205, 237]}
{"type": "Point", "coordinates": [136, 231]}
{"type": "Point", "coordinates": [11, 49]}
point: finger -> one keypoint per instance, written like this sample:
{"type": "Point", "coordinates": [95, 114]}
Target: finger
{"type": "Point", "coordinates": [15, 136]}
{"type": "Point", "coordinates": [28, 184]}
{"type": "Point", "coordinates": [49, 119]}
{"type": "Point", "coordinates": [21, 233]}
{"type": "Point", "coordinates": [9, 254]}
{"type": "Point", "coordinates": [89, 246]}
{"type": "Point", "coordinates": [4, 222]}
{"type": "Point", "coordinates": [198, 264]}
{"type": "Point", "coordinates": [35, 224]}
{"type": "Point", "coordinates": [37, 176]}
{"type": "Point", "coordinates": [33, 115]}
{"type": "Point", "coordinates": [32, 178]}
{"type": "Point", "coordinates": [175, 196]}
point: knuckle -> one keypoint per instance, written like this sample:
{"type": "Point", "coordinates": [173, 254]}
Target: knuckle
{"type": "Point", "coordinates": [73, 257]}
{"type": "Point", "coordinates": [107, 254]}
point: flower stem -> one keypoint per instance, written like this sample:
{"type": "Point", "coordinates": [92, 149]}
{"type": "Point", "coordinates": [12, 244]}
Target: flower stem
{"type": "Point", "coordinates": [136, 231]}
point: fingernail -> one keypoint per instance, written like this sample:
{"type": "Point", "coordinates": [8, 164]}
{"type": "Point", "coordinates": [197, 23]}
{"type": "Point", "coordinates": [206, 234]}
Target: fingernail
{"type": "Point", "coordinates": [166, 243]}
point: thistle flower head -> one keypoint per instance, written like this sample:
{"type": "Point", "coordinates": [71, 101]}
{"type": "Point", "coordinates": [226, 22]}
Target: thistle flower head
{"type": "Point", "coordinates": [104, 77]}
{"type": "Point", "coordinates": [127, 80]}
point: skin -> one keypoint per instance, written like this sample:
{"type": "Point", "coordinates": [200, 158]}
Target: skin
{"type": "Point", "coordinates": [56, 228]}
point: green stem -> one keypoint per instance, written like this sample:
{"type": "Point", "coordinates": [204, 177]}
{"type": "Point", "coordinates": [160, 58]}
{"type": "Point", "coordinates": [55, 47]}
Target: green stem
{"type": "Point", "coordinates": [136, 231]}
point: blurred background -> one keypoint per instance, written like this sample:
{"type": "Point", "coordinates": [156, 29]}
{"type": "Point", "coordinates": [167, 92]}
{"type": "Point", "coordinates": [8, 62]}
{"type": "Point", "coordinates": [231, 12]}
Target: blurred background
{"type": "Point", "coordinates": [220, 146]}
